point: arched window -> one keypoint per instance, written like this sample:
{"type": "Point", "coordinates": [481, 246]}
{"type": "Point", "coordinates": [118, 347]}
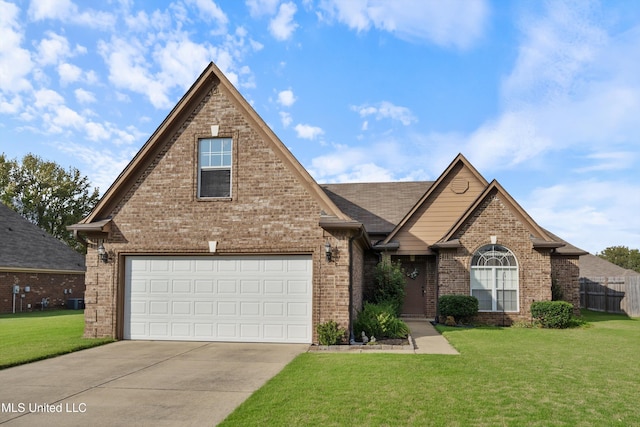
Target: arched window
{"type": "Point", "coordinates": [494, 278]}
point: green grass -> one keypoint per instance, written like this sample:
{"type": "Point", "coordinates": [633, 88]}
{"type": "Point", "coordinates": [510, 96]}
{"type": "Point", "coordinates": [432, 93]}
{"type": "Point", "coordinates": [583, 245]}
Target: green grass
{"type": "Point", "coordinates": [26, 337]}
{"type": "Point", "coordinates": [588, 376]}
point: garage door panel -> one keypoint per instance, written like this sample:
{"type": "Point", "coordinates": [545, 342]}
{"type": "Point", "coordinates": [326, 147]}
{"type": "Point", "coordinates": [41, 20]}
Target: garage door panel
{"type": "Point", "coordinates": [203, 308]}
{"type": "Point", "coordinates": [274, 287]}
{"type": "Point", "coordinates": [250, 287]}
{"type": "Point", "coordinates": [227, 287]}
{"type": "Point", "coordinates": [158, 286]}
{"type": "Point", "coordinates": [253, 299]}
{"type": "Point", "coordinates": [182, 308]}
{"type": "Point", "coordinates": [181, 286]}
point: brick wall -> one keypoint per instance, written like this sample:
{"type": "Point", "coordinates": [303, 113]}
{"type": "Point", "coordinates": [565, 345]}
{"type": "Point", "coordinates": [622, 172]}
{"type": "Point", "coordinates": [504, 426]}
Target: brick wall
{"type": "Point", "coordinates": [270, 212]}
{"type": "Point", "coordinates": [566, 272]}
{"type": "Point", "coordinates": [42, 285]}
{"type": "Point", "coordinates": [494, 218]}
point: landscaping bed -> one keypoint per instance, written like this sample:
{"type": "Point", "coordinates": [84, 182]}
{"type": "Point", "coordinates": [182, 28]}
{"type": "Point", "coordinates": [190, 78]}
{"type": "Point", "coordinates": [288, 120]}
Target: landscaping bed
{"type": "Point", "coordinates": [400, 344]}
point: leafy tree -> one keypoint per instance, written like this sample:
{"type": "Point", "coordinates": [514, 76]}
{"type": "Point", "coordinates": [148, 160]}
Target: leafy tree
{"type": "Point", "coordinates": [46, 194]}
{"type": "Point", "coordinates": [622, 256]}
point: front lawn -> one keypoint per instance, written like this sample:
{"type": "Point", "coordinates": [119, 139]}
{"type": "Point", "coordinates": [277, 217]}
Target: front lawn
{"type": "Point", "coordinates": [25, 337]}
{"type": "Point", "coordinates": [586, 376]}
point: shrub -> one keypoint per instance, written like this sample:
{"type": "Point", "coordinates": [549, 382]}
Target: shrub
{"type": "Point", "coordinates": [552, 314]}
{"type": "Point", "coordinates": [380, 320]}
{"type": "Point", "coordinates": [390, 283]}
{"type": "Point", "coordinates": [461, 307]}
{"type": "Point", "coordinates": [329, 333]}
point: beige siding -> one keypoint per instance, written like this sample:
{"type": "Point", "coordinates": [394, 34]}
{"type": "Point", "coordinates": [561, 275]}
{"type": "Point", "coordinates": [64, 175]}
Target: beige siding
{"type": "Point", "coordinates": [440, 211]}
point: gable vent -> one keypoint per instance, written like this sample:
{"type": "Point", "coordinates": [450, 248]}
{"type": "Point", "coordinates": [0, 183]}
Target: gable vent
{"type": "Point", "coordinates": [459, 185]}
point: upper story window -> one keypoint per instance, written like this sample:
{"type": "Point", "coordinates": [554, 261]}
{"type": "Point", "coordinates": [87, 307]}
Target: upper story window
{"type": "Point", "coordinates": [214, 175]}
{"type": "Point", "coordinates": [494, 278]}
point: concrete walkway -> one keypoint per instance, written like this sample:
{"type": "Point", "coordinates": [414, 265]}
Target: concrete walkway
{"type": "Point", "coordinates": [427, 339]}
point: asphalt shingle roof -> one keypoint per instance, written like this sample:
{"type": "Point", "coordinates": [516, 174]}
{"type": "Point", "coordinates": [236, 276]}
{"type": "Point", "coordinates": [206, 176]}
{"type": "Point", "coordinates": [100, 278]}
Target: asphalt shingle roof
{"type": "Point", "coordinates": [24, 245]}
{"type": "Point", "coordinates": [594, 266]}
{"type": "Point", "coordinates": [380, 206]}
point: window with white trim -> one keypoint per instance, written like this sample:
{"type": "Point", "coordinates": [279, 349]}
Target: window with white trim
{"type": "Point", "coordinates": [214, 167]}
{"type": "Point", "coordinates": [494, 279]}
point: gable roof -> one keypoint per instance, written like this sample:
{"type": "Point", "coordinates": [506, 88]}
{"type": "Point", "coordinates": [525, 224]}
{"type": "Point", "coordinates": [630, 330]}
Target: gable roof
{"type": "Point", "coordinates": [377, 205]}
{"type": "Point", "coordinates": [26, 247]}
{"type": "Point", "coordinates": [540, 238]}
{"type": "Point", "coordinates": [459, 160]}
{"type": "Point", "coordinates": [209, 79]}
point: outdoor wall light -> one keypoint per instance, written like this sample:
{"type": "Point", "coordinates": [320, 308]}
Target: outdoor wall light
{"type": "Point", "coordinates": [102, 253]}
{"type": "Point", "coordinates": [327, 251]}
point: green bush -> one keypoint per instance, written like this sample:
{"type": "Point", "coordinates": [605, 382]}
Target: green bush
{"type": "Point", "coordinates": [380, 320]}
{"type": "Point", "coordinates": [461, 307]}
{"type": "Point", "coordinates": [329, 333]}
{"type": "Point", "coordinates": [552, 314]}
{"type": "Point", "coordinates": [390, 283]}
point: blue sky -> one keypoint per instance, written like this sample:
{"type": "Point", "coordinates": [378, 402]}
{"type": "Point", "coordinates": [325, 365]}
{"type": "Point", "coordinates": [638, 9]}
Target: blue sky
{"type": "Point", "coordinates": [542, 96]}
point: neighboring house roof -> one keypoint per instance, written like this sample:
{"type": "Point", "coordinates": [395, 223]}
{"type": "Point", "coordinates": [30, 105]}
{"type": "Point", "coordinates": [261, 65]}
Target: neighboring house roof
{"type": "Point", "coordinates": [210, 78]}
{"type": "Point", "coordinates": [26, 247]}
{"type": "Point", "coordinates": [594, 266]}
{"type": "Point", "coordinates": [378, 205]}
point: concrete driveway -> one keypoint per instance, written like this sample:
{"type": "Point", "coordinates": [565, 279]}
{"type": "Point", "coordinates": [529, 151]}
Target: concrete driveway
{"type": "Point", "coordinates": [140, 383]}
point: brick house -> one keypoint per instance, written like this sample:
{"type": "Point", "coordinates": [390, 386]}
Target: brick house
{"type": "Point", "coordinates": [41, 266]}
{"type": "Point", "coordinates": [215, 231]}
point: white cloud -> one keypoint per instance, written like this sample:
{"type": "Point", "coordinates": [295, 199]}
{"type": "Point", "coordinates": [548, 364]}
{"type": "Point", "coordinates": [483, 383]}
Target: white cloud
{"type": "Point", "coordinates": [282, 25]}
{"type": "Point", "coordinates": [308, 131]}
{"type": "Point", "coordinates": [102, 163]}
{"type": "Point", "coordinates": [386, 110]}
{"type": "Point", "coordinates": [15, 61]}
{"type": "Point", "coordinates": [69, 73]}
{"type": "Point", "coordinates": [258, 8]}
{"type": "Point", "coordinates": [589, 213]}
{"type": "Point", "coordinates": [608, 161]}
{"type": "Point", "coordinates": [67, 11]}
{"type": "Point", "coordinates": [456, 23]}
{"type": "Point", "coordinates": [286, 119]}
{"type": "Point", "coordinates": [84, 96]}
{"type": "Point", "coordinates": [52, 49]}
{"type": "Point", "coordinates": [11, 106]}
{"type": "Point", "coordinates": [573, 86]}
{"type": "Point", "coordinates": [211, 10]}
{"type": "Point", "coordinates": [286, 98]}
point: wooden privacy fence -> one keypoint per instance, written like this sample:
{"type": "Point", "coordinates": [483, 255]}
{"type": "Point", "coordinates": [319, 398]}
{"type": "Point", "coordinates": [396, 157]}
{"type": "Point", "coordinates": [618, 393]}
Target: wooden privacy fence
{"type": "Point", "coordinates": [611, 294]}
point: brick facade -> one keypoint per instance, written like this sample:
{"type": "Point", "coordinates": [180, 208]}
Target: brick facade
{"type": "Point", "coordinates": [269, 212]}
{"type": "Point", "coordinates": [494, 218]}
{"type": "Point", "coordinates": [42, 285]}
{"type": "Point", "coordinates": [565, 271]}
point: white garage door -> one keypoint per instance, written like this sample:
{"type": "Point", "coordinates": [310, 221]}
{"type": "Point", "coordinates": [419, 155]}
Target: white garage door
{"type": "Point", "coordinates": [247, 299]}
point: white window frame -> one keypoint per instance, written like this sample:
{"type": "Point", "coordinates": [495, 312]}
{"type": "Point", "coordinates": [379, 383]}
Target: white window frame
{"type": "Point", "coordinates": [494, 268]}
{"type": "Point", "coordinates": [215, 160]}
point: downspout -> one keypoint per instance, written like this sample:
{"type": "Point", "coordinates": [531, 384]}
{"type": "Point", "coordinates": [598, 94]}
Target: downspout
{"type": "Point", "coordinates": [351, 239]}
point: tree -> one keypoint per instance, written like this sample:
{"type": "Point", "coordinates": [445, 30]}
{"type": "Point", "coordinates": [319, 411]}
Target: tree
{"type": "Point", "coordinates": [622, 256]}
{"type": "Point", "coordinates": [46, 194]}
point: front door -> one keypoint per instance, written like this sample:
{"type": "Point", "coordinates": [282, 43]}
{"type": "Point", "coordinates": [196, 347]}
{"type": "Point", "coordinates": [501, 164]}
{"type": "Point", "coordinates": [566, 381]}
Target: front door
{"type": "Point", "coordinates": [415, 286]}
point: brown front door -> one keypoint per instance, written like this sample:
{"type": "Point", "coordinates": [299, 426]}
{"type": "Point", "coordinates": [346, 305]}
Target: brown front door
{"type": "Point", "coordinates": [415, 269]}
{"type": "Point", "coordinates": [414, 304]}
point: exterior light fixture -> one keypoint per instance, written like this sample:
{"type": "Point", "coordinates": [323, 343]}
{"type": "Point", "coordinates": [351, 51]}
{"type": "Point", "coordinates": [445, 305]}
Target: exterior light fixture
{"type": "Point", "coordinates": [327, 251]}
{"type": "Point", "coordinates": [102, 253]}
